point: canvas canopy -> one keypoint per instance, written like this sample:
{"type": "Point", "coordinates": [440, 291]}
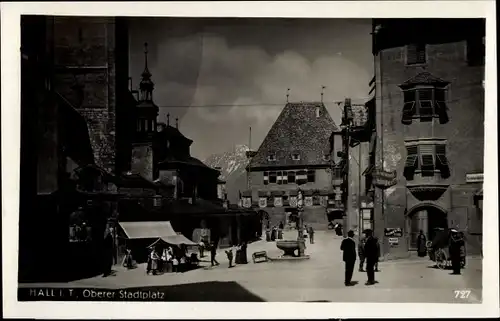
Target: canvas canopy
{"type": "Point", "coordinates": [154, 230]}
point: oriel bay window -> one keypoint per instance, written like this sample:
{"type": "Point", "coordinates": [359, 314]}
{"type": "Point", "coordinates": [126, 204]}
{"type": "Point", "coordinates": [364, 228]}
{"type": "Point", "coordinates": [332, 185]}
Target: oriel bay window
{"type": "Point", "coordinates": [426, 159]}
{"type": "Point", "coordinates": [424, 104]}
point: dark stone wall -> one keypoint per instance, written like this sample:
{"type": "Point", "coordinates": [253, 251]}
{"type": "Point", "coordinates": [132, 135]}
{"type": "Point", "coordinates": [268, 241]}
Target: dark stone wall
{"type": "Point", "coordinates": [84, 58]}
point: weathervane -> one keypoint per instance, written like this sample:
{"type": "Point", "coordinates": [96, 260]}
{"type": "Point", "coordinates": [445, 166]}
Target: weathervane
{"type": "Point", "coordinates": [287, 94]}
{"type": "Point", "coordinates": [322, 92]}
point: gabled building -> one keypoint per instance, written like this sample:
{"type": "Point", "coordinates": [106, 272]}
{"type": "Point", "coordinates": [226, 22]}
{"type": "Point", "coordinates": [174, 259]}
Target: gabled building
{"type": "Point", "coordinates": [430, 129]}
{"type": "Point", "coordinates": [296, 153]}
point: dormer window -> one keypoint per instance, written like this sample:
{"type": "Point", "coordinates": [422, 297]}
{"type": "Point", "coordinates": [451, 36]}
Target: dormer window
{"type": "Point", "coordinates": [296, 156]}
{"type": "Point", "coordinates": [271, 157]}
{"type": "Point", "coordinates": [416, 54]}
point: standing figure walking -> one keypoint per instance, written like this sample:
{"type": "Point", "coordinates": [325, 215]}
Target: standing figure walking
{"type": "Point", "coordinates": [311, 234]}
{"type": "Point", "coordinates": [421, 244]}
{"type": "Point", "coordinates": [348, 246]}
{"type": "Point", "coordinates": [361, 254]}
{"type": "Point", "coordinates": [108, 251]}
{"type": "Point", "coordinates": [229, 254]}
{"type": "Point", "coordinates": [456, 244]}
{"type": "Point", "coordinates": [213, 253]}
{"type": "Point", "coordinates": [371, 255]}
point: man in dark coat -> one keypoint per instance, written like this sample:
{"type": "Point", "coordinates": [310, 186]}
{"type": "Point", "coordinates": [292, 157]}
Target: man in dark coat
{"type": "Point", "coordinates": [456, 244]}
{"type": "Point", "coordinates": [371, 255]}
{"type": "Point", "coordinates": [348, 246]}
{"type": "Point", "coordinates": [213, 253]}
{"type": "Point", "coordinates": [310, 231]}
{"type": "Point", "coordinates": [421, 244]}
{"type": "Point", "coordinates": [361, 254]}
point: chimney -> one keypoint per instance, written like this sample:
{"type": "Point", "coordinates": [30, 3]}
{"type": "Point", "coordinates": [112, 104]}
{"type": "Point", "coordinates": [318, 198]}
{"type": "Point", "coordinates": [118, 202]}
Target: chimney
{"type": "Point", "coordinates": [317, 111]}
{"type": "Point", "coordinates": [177, 123]}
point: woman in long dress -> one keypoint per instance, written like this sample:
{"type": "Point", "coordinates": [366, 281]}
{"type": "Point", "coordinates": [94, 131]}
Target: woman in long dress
{"type": "Point", "coordinates": [421, 244]}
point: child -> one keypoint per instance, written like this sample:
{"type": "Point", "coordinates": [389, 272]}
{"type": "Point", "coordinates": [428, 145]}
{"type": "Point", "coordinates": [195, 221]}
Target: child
{"type": "Point", "coordinates": [229, 254]}
{"type": "Point", "coordinates": [175, 263]}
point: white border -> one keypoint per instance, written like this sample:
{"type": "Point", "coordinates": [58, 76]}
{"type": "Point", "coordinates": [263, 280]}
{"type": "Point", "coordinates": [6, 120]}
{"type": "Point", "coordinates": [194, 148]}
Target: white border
{"type": "Point", "coordinates": [10, 21]}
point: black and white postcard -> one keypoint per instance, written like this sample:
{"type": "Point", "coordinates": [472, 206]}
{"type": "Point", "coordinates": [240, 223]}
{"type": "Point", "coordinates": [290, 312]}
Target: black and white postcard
{"type": "Point", "coordinates": [217, 156]}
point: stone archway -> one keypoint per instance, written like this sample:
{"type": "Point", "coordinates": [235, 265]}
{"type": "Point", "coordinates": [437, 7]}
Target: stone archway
{"type": "Point", "coordinates": [425, 217]}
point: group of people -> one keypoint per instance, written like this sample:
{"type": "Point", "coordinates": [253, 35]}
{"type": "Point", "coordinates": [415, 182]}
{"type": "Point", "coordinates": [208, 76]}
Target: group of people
{"type": "Point", "coordinates": [241, 254]}
{"type": "Point", "coordinates": [368, 251]}
{"type": "Point", "coordinates": [275, 232]}
{"type": "Point", "coordinates": [167, 260]}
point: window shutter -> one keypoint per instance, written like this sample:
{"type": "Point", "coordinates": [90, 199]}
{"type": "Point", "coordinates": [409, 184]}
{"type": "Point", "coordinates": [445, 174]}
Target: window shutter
{"type": "Point", "coordinates": [441, 161]}
{"type": "Point", "coordinates": [411, 163]}
{"type": "Point", "coordinates": [440, 105]}
{"type": "Point", "coordinates": [408, 112]}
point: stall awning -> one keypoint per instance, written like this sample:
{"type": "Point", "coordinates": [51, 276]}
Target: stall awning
{"type": "Point", "coordinates": [178, 240]}
{"type": "Point", "coordinates": [147, 230]}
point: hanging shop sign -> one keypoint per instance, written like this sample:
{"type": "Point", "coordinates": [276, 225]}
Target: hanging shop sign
{"type": "Point", "coordinates": [384, 179]}
{"type": "Point", "coordinates": [474, 178]}
{"type": "Point", "coordinates": [293, 201]}
{"type": "Point", "coordinates": [393, 231]}
{"type": "Point", "coordinates": [278, 201]}
{"type": "Point", "coordinates": [308, 201]}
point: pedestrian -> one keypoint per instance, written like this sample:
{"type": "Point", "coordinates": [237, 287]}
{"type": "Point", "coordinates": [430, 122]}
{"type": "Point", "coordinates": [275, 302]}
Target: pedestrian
{"type": "Point", "coordinates": [455, 248]}
{"type": "Point", "coordinates": [348, 246]}
{"type": "Point", "coordinates": [201, 249]}
{"type": "Point", "coordinates": [311, 234]}
{"type": "Point", "coordinates": [175, 264]}
{"type": "Point", "coordinates": [108, 251]}
{"type": "Point", "coordinates": [213, 253]}
{"type": "Point", "coordinates": [149, 262]}
{"type": "Point", "coordinates": [281, 225]}
{"type": "Point", "coordinates": [361, 254]}
{"type": "Point", "coordinates": [244, 259]}
{"type": "Point", "coordinates": [421, 244]}
{"type": "Point", "coordinates": [378, 255]}
{"type": "Point", "coordinates": [371, 254]}
{"type": "Point", "coordinates": [229, 254]}
{"type": "Point", "coordinates": [154, 261]}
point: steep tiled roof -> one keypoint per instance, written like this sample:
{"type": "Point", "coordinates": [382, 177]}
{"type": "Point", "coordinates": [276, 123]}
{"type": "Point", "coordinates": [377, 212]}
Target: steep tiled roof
{"type": "Point", "coordinates": [423, 78]}
{"type": "Point", "coordinates": [297, 130]}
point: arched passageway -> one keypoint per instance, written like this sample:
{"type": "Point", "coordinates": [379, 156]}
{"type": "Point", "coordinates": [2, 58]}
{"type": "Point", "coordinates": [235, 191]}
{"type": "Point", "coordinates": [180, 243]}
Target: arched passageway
{"type": "Point", "coordinates": [426, 218]}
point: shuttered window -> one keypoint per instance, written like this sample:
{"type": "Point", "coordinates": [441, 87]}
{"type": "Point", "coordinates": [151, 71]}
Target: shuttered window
{"type": "Point", "coordinates": [311, 176]}
{"type": "Point", "coordinates": [272, 177]}
{"type": "Point", "coordinates": [426, 109]}
{"type": "Point", "coordinates": [415, 54]}
{"type": "Point", "coordinates": [441, 161]}
{"type": "Point", "coordinates": [427, 160]}
{"type": "Point", "coordinates": [291, 177]}
{"type": "Point", "coordinates": [424, 104]}
{"type": "Point", "coordinates": [266, 178]}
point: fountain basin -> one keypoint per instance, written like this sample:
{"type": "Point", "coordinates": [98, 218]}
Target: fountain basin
{"type": "Point", "coordinates": [288, 247]}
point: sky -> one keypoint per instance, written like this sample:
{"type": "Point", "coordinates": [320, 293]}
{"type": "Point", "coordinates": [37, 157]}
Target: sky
{"type": "Point", "coordinates": [220, 77]}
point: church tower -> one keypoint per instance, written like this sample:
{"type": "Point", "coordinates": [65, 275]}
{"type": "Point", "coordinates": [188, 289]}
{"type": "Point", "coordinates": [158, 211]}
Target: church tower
{"type": "Point", "coordinates": [145, 116]}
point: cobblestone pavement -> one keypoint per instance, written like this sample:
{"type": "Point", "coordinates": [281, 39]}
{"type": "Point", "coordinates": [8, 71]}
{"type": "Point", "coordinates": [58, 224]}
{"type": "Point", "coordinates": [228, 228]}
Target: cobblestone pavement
{"type": "Point", "coordinates": [318, 279]}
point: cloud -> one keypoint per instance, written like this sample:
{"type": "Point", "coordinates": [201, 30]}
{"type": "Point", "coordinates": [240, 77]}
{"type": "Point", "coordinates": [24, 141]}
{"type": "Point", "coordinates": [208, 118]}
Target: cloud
{"type": "Point", "coordinates": [247, 81]}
